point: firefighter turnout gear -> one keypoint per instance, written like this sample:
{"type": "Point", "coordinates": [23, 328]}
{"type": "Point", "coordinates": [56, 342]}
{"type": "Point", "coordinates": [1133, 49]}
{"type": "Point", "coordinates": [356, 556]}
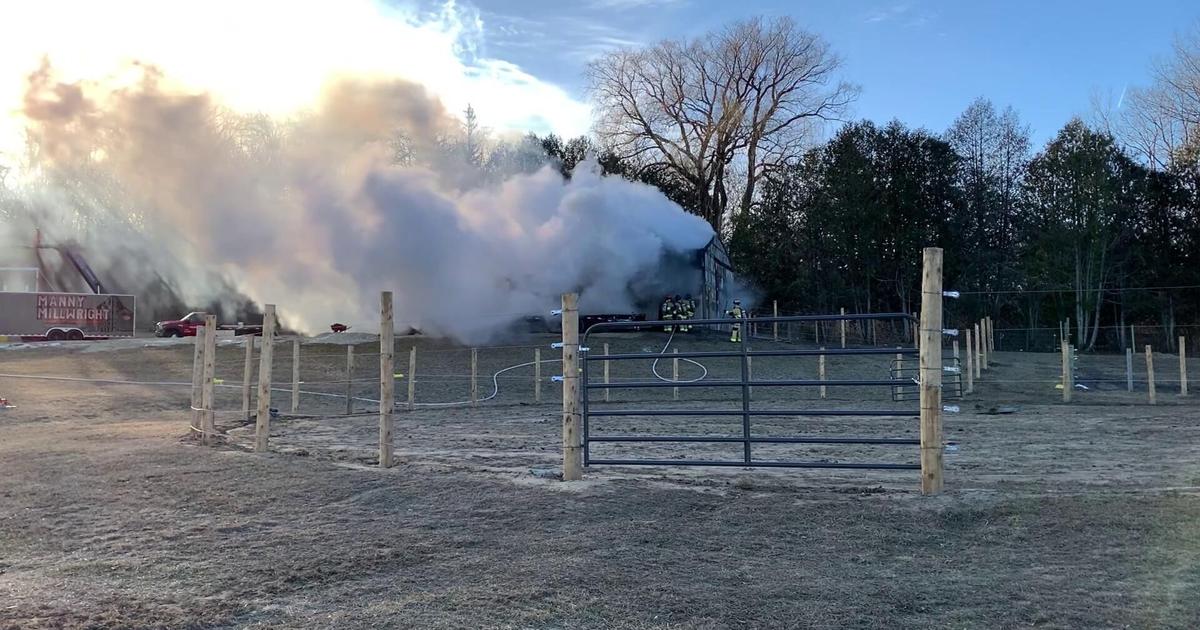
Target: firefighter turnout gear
{"type": "Point", "coordinates": [735, 331]}
{"type": "Point", "coordinates": [670, 311]}
{"type": "Point", "coordinates": [688, 306]}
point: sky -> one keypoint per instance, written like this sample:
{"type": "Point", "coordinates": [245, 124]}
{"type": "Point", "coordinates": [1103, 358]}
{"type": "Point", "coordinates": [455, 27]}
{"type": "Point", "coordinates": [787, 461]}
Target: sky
{"type": "Point", "coordinates": [521, 63]}
{"type": "Point", "coordinates": [919, 61]}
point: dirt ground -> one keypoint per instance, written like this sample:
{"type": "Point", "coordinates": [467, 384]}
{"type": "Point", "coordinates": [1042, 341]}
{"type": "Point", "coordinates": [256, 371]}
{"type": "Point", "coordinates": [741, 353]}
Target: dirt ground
{"type": "Point", "coordinates": [1054, 516]}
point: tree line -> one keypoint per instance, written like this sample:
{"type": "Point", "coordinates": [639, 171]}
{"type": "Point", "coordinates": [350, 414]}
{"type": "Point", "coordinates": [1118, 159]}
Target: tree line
{"type": "Point", "coordinates": [727, 125]}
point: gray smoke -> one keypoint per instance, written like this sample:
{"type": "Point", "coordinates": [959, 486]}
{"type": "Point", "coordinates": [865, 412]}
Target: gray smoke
{"type": "Point", "coordinates": [319, 213]}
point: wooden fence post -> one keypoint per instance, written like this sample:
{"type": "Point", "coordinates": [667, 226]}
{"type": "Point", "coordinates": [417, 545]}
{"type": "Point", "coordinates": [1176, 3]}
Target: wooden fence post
{"type": "Point", "coordinates": [1150, 375]}
{"type": "Point", "coordinates": [842, 322]}
{"type": "Point", "coordinates": [474, 377]}
{"type": "Point", "coordinates": [210, 367]}
{"type": "Point", "coordinates": [349, 380]}
{"type": "Point", "coordinates": [978, 354]}
{"type": "Point", "coordinates": [197, 380]}
{"type": "Point", "coordinates": [1066, 371]}
{"type": "Point", "coordinates": [1183, 384]}
{"type": "Point", "coordinates": [537, 375]}
{"type": "Point", "coordinates": [572, 437]}
{"type": "Point", "coordinates": [821, 373]}
{"type": "Point", "coordinates": [412, 378]}
{"type": "Point", "coordinates": [247, 376]}
{"type": "Point", "coordinates": [387, 378]}
{"type": "Point", "coordinates": [295, 375]}
{"type": "Point", "coordinates": [985, 354]}
{"type": "Point", "coordinates": [674, 375]}
{"type": "Point", "coordinates": [954, 347]}
{"type": "Point", "coordinates": [607, 394]}
{"type": "Point", "coordinates": [262, 420]}
{"type": "Point", "coordinates": [970, 363]}
{"type": "Point", "coordinates": [930, 331]}
{"type": "Point", "coordinates": [1129, 368]}
{"type": "Point", "coordinates": [775, 312]}
{"type": "Point", "coordinates": [931, 371]}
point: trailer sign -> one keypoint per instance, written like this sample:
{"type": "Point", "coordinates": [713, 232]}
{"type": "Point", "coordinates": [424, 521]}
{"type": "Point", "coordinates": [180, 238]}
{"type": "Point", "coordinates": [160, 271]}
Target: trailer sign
{"type": "Point", "coordinates": [67, 315]}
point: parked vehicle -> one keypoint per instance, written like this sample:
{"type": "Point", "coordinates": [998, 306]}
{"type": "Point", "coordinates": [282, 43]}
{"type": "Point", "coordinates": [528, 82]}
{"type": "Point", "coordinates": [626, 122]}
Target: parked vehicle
{"type": "Point", "coordinates": [187, 326]}
{"type": "Point", "coordinates": [66, 316]}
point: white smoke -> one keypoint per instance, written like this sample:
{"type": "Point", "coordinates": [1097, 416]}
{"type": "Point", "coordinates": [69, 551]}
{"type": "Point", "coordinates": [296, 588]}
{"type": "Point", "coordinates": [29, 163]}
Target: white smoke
{"type": "Point", "coordinates": [317, 214]}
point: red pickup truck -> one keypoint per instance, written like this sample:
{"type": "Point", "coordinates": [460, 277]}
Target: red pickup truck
{"type": "Point", "coordinates": [187, 326]}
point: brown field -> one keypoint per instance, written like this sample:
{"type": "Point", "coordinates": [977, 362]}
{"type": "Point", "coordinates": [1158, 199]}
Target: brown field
{"type": "Point", "coordinates": [1054, 516]}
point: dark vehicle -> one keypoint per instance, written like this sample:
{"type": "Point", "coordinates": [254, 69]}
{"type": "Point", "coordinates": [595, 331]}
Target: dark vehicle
{"type": "Point", "coordinates": [187, 326]}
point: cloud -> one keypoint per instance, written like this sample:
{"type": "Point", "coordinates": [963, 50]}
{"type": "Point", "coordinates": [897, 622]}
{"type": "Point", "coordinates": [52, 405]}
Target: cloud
{"type": "Point", "coordinates": [274, 55]}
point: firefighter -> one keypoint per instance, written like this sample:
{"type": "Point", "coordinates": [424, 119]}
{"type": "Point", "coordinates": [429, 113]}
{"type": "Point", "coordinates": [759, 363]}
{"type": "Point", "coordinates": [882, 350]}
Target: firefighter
{"type": "Point", "coordinates": [689, 312]}
{"type": "Point", "coordinates": [669, 310]}
{"type": "Point", "coordinates": [735, 334]}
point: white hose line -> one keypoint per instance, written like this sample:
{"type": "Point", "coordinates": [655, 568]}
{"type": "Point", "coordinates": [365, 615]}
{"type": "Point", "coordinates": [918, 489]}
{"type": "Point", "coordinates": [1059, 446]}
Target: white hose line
{"type": "Point", "coordinates": [663, 355]}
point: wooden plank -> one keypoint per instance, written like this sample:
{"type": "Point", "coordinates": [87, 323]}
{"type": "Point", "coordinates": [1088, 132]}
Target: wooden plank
{"type": "Point", "coordinates": [247, 377]}
{"type": "Point", "coordinates": [262, 419]}
{"type": "Point", "coordinates": [931, 371]}
{"type": "Point", "coordinates": [412, 378]}
{"type": "Point", "coordinates": [1150, 375]}
{"type": "Point", "coordinates": [1066, 372]}
{"type": "Point", "coordinates": [387, 378]}
{"type": "Point", "coordinates": [537, 374]}
{"type": "Point", "coordinates": [1129, 369]}
{"type": "Point", "coordinates": [349, 380]}
{"type": "Point", "coordinates": [607, 391]}
{"type": "Point", "coordinates": [209, 425]}
{"type": "Point", "coordinates": [474, 377]}
{"type": "Point", "coordinates": [775, 312]}
{"type": "Point", "coordinates": [970, 362]}
{"type": "Point", "coordinates": [572, 432]}
{"type": "Point", "coordinates": [674, 375]}
{"type": "Point", "coordinates": [821, 373]}
{"type": "Point", "coordinates": [197, 379]}
{"type": "Point", "coordinates": [842, 325]}
{"type": "Point", "coordinates": [1183, 379]}
{"type": "Point", "coordinates": [295, 375]}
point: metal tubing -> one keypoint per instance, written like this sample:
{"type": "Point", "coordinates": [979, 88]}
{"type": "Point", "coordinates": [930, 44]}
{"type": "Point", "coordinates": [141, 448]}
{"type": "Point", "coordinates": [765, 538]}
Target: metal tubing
{"type": "Point", "coordinates": [755, 440]}
{"type": "Point", "coordinates": [899, 413]}
{"type": "Point", "coordinates": [748, 383]}
{"type": "Point", "coordinates": [761, 353]}
{"type": "Point", "coordinates": [755, 464]}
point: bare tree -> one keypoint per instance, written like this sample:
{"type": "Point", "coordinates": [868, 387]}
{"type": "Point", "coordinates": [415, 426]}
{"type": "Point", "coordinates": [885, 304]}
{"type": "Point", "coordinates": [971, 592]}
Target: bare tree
{"type": "Point", "coordinates": [752, 92]}
{"type": "Point", "coordinates": [1162, 121]}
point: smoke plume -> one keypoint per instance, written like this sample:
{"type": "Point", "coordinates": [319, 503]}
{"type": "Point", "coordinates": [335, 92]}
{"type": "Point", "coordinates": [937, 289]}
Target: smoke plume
{"type": "Point", "coordinates": [318, 213]}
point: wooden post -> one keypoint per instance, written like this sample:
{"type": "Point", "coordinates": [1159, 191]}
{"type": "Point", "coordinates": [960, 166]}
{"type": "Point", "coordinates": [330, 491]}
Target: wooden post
{"type": "Point", "coordinates": [1129, 368]}
{"type": "Point", "coordinates": [775, 312]}
{"type": "Point", "coordinates": [210, 367]}
{"type": "Point", "coordinates": [931, 371]}
{"type": "Point", "coordinates": [607, 394]}
{"type": "Point", "coordinates": [1132, 337]}
{"type": "Point", "coordinates": [970, 363]}
{"type": "Point", "coordinates": [978, 354]}
{"type": "Point", "coordinates": [412, 378]}
{"type": "Point", "coordinates": [474, 377]}
{"type": "Point", "coordinates": [1150, 375]}
{"type": "Point", "coordinates": [537, 374]}
{"type": "Point", "coordinates": [675, 375]}
{"type": "Point", "coordinates": [572, 437]}
{"type": "Point", "coordinates": [262, 421]}
{"type": "Point", "coordinates": [295, 375]}
{"type": "Point", "coordinates": [197, 379]}
{"type": "Point", "coordinates": [954, 347]}
{"type": "Point", "coordinates": [821, 373]}
{"type": "Point", "coordinates": [1066, 372]}
{"type": "Point", "coordinates": [843, 327]}
{"type": "Point", "coordinates": [899, 370]}
{"type": "Point", "coordinates": [991, 336]}
{"type": "Point", "coordinates": [387, 379]}
{"type": "Point", "coordinates": [984, 355]}
{"type": "Point", "coordinates": [349, 380]}
{"type": "Point", "coordinates": [247, 379]}
{"type": "Point", "coordinates": [1183, 384]}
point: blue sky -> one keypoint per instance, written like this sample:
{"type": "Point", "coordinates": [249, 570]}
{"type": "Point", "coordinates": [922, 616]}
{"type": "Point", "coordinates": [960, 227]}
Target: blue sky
{"type": "Point", "coordinates": [921, 61]}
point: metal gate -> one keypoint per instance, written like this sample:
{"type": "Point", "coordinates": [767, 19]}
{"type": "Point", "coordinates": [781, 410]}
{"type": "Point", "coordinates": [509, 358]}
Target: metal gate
{"type": "Point", "coordinates": [747, 437]}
